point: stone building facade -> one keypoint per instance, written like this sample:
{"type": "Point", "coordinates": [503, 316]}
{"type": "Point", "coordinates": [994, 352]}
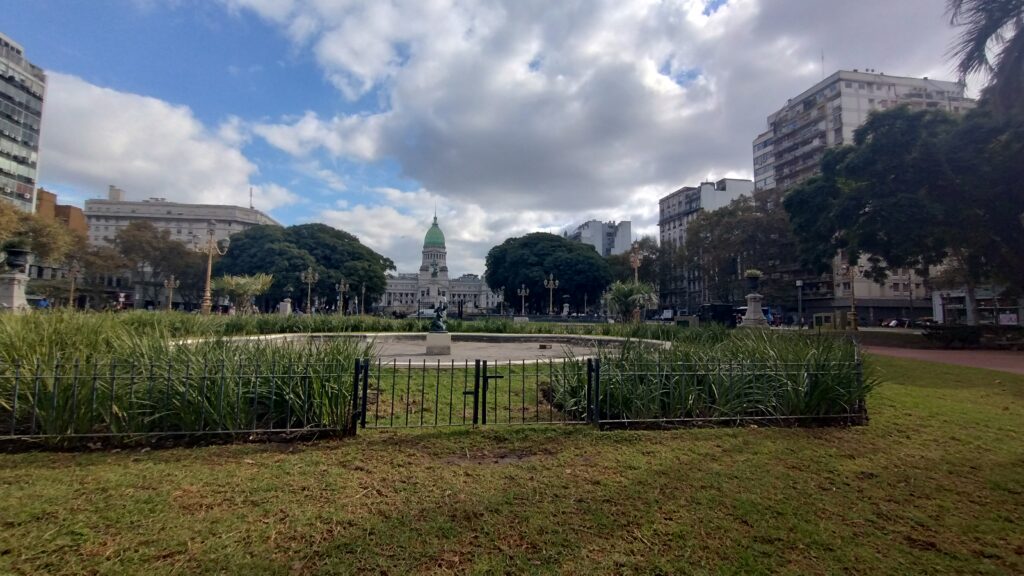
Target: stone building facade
{"type": "Point", "coordinates": [408, 292]}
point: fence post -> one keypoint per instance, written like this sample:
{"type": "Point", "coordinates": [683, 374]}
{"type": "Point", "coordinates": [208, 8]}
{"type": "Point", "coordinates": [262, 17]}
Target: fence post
{"type": "Point", "coordinates": [366, 383]}
{"type": "Point", "coordinates": [356, 373]}
{"type": "Point", "coordinates": [476, 393]}
{"type": "Point", "coordinates": [597, 392]}
{"type": "Point", "coordinates": [590, 395]}
{"type": "Point", "coordinates": [483, 401]}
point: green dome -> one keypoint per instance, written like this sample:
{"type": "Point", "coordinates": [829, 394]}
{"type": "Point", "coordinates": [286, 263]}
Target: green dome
{"type": "Point", "coordinates": [434, 237]}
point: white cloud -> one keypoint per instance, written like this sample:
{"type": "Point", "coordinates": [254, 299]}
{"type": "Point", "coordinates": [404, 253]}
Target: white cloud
{"type": "Point", "coordinates": [521, 115]}
{"type": "Point", "coordinates": [94, 136]}
{"type": "Point", "coordinates": [552, 106]}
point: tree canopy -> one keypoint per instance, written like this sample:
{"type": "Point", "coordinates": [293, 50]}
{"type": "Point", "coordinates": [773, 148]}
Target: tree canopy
{"type": "Point", "coordinates": [581, 272]}
{"type": "Point", "coordinates": [751, 232]}
{"type": "Point", "coordinates": [650, 261]}
{"type": "Point", "coordinates": [920, 188]}
{"type": "Point", "coordinates": [285, 253]}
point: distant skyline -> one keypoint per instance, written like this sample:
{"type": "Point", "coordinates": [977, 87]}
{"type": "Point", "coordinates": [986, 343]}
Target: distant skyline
{"type": "Point", "coordinates": [511, 117]}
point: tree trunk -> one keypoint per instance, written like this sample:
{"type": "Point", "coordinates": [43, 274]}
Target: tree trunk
{"type": "Point", "coordinates": [971, 303]}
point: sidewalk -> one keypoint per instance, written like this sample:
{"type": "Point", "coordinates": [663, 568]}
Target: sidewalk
{"type": "Point", "coordinates": [991, 359]}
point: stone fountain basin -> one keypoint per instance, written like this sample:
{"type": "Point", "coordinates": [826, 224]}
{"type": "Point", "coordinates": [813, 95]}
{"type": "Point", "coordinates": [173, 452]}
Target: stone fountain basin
{"type": "Point", "coordinates": [405, 347]}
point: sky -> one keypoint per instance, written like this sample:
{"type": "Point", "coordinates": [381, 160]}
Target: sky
{"type": "Point", "coordinates": [504, 117]}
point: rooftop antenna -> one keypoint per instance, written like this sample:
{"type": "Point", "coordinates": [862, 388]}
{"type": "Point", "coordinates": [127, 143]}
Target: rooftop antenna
{"type": "Point", "coordinates": [250, 198]}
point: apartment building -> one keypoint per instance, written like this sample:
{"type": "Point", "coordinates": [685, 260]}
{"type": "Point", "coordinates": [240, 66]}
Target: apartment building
{"type": "Point", "coordinates": [22, 90]}
{"type": "Point", "coordinates": [826, 114]}
{"type": "Point", "coordinates": [106, 216]}
{"type": "Point", "coordinates": [607, 238]}
{"type": "Point", "coordinates": [676, 211]}
{"type": "Point", "coordinates": [790, 150]}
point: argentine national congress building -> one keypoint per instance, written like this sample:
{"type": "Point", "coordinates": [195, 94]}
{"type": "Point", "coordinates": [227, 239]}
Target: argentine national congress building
{"type": "Point", "coordinates": [408, 292]}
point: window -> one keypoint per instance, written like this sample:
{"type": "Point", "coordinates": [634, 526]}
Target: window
{"type": "Point", "coordinates": [860, 86]}
{"type": "Point", "coordinates": [849, 84]}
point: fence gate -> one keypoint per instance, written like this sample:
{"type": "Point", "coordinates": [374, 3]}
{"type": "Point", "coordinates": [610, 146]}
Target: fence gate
{"type": "Point", "coordinates": [478, 393]}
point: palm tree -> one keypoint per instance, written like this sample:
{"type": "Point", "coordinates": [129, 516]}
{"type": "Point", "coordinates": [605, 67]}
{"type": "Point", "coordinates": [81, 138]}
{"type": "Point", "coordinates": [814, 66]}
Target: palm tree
{"type": "Point", "coordinates": [626, 298]}
{"type": "Point", "coordinates": [242, 289]}
{"type": "Point", "coordinates": [997, 25]}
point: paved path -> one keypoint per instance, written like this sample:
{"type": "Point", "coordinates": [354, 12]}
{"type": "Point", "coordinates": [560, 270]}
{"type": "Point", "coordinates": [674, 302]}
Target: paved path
{"type": "Point", "coordinates": [991, 359]}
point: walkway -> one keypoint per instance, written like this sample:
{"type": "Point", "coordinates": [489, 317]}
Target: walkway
{"type": "Point", "coordinates": [991, 359]}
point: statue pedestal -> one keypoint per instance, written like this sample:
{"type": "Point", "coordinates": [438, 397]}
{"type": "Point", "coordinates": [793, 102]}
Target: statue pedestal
{"type": "Point", "coordinates": [754, 318]}
{"type": "Point", "coordinates": [12, 292]}
{"type": "Point", "coordinates": [285, 307]}
{"type": "Point", "coordinates": [439, 344]}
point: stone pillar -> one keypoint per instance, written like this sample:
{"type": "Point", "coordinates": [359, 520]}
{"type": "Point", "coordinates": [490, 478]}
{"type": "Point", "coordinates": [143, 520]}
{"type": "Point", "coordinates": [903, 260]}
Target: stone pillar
{"type": "Point", "coordinates": [285, 307]}
{"type": "Point", "coordinates": [754, 318]}
{"type": "Point", "coordinates": [12, 291]}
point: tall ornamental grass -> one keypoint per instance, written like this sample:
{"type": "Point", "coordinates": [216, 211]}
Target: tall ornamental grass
{"type": "Point", "coordinates": [745, 375]}
{"type": "Point", "coordinates": [73, 375]}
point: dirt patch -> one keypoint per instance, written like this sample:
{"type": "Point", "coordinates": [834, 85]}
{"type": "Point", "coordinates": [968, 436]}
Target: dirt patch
{"type": "Point", "coordinates": [495, 457]}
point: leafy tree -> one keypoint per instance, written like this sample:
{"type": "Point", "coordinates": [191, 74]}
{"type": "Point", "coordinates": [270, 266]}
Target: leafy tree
{"type": "Point", "coordinates": [751, 232]}
{"type": "Point", "coordinates": [651, 257]}
{"type": "Point", "coordinates": [285, 253]}
{"type": "Point", "coordinates": [581, 272]}
{"type": "Point", "coordinates": [918, 189]}
{"type": "Point", "coordinates": [152, 255]}
{"type": "Point", "coordinates": [992, 26]}
{"type": "Point", "coordinates": [49, 241]}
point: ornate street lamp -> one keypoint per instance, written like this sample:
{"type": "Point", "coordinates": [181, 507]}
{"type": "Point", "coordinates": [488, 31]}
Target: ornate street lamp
{"type": "Point", "coordinates": [73, 273]}
{"type": "Point", "coordinates": [310, 277]}
{"type": "Point", "coordinates": [634, 261]}
{"type": "Point", "coordinates": [342, 288]}
{"type": "Point", "coordinates": [853, 272]}
{"type": "Point", "coordinates": [171, 283]}
{"type": "Point", "coordinates": [551, 284]}
{"type": "Point", "coordinates": [209, 247]}
{"type": "Point", "coordinates": [523, 293]}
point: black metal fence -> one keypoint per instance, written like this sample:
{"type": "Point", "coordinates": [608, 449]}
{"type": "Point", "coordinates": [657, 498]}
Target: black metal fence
{"type": "Point", "coordinates": [114, 402]}
{"type": "Point", "coordinates": [607, 393]}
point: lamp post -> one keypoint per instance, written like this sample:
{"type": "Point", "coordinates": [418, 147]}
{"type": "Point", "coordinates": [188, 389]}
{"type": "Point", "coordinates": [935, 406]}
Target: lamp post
{"type": "Point", "coordinates": [362, 299]}
{"type": "Point", "coordinates": [209, 247]}
{"type": "Point", "coordinates": [800, 301]}
{"type": "Point", "coordinates": [634, 261]}
{"type": "Point", "coordinates": [852, 272]}
{"type": "Point", "coordinates": [342, 288]}
{"type": "Point", "coordinates": [523, 293]}
{"type": "Point", "coordinates": [171, 283]}
{"type": "Point", "coordinates": [310, 277]}
{"type": "Point", "coordinates": [73, 275]}
{"type": "Point", "coordinates": [551, 284]}
{"type": "Point", "coordinates": [501, 301]}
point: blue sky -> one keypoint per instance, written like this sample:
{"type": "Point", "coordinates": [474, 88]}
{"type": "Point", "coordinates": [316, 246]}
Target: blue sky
{"type": "Point", "coordinates": [509, 116]}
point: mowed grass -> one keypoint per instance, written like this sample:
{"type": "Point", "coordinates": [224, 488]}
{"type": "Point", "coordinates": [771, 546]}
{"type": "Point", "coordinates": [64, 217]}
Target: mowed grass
{"type": "Point", "coordinates": [934, 484]}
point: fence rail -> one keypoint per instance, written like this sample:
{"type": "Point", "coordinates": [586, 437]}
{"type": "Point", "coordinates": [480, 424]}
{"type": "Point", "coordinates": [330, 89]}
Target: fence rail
{"type": "Point", "coordinates": [116, 401]}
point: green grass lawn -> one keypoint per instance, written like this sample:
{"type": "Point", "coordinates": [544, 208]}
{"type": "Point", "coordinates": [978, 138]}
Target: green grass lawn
{"type": "Point", "coordinates": [934, 484]}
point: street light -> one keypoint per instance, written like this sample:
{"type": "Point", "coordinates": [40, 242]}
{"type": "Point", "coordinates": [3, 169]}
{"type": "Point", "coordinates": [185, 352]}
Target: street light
{"type": "Point", "coordinates": [73, 275]}
{"type": "Point", "coordinates": [800, 301]}
{"type": "Point", "coordinates": [310, 277]}
{"type": "Point", "coordinates": [342, 288]}
{"type": "Point", "coordinates": [171, 283]}
{"type": "Point", "coordinates": [210, 247]}
{"type": "Point", "coordinates": [551, 284]}
{"type": "Point", "coordinates": [634, 261]}
{"type": "Point", "coordinates": [501, 301]}
{"type": "Point", "coordinates": [851, 271]}
{"type": "Point", "coordinates": [523, 293]}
